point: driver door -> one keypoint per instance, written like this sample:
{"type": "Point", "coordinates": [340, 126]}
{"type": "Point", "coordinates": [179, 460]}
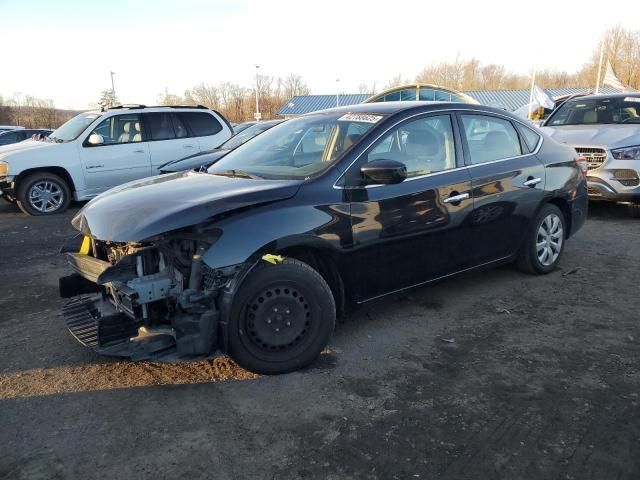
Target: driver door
{"type": "Point", "coordinates": [415, 231]}
{"type": "Point", "coordinates": [121, 154]}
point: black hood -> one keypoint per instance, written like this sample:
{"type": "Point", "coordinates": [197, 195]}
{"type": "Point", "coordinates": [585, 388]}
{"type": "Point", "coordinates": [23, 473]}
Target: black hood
{"type": "Point", "coordinates": [142, 209]}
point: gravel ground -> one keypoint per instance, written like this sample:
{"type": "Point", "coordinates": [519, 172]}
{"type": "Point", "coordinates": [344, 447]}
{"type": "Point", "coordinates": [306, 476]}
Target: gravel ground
{"type": "Point", "coordinates": [487, 375]}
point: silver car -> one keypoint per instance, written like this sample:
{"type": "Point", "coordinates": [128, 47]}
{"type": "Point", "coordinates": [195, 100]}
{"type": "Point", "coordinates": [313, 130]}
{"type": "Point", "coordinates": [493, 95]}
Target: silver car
{"type": "Point", "coordinates": [606, 130]}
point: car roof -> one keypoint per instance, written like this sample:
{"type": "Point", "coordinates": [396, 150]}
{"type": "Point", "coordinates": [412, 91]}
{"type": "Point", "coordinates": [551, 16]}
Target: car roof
{"type": "Point", "coordinates": [391, 108]}
{"type": "Point", "coordinates": [609, 95]}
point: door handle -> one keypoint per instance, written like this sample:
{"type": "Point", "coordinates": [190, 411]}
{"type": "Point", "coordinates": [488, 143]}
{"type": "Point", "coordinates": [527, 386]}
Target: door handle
{"type": "Point", "coordinates": [456, 198]}
{"type": "Point", "coordinates": [138, 151]}
{"type": "Point", "coordinates": [89, 167]}
{"type": "Point", "coordinates": [532, 182]}
{"type": "Point", "coordinates": [187, 146]}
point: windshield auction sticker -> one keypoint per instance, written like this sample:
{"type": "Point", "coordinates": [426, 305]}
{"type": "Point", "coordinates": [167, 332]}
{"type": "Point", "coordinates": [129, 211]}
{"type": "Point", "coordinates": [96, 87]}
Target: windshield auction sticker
{"type": "Point", "coordinates": [360, 117]}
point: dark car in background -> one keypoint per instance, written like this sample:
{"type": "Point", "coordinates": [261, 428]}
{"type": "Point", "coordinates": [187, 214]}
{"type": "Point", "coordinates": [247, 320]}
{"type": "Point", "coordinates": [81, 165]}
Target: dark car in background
{"type": "Point", "coordinates": [239, 127]}
{"type": "Point", "coordinates": [202, 160]}
{"type": "Point", "coordinates": [9, 137]}
{"type": "Point", "coordinates": [257, 256]}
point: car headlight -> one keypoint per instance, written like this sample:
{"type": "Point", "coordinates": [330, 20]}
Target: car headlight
{"type": "Point", "coordinates": [626, 153]}
{"type": "Point", "coordinates": [4, 169]}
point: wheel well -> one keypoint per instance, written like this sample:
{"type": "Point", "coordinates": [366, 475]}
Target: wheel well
{"type": "Point", "coordinates": [564, 207]}
{"type": "Point", "coordinates": [61, 172]}
{"type": "Point", "coordinates": [322, 262]}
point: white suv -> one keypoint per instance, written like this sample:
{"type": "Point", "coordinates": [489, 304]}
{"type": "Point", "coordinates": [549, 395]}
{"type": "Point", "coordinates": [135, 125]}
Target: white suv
{"type": "Point", "coordinates": [95, 151]}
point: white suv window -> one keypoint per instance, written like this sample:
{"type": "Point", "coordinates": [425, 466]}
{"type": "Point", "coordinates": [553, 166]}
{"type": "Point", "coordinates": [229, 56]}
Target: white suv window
{"type": "Point", "coordinates": [120, 129]}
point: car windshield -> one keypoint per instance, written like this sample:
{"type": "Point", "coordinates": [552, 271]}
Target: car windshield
{"type": "Point", "coordinates": [245, 135]}
{"type": "Point", "coordinates": [74, 127]}
{"type": "Point", "coordinates": [299, 148]}
{"type": "Point", "coordinates": [586, 111]}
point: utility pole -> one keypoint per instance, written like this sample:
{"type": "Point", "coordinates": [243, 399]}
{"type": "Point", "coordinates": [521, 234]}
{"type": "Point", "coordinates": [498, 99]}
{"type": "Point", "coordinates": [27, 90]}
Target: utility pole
{"type": "Point", "coordinates": [337, 92]}
{"type": "Point", "coordinates": [113, 89]}
{"type": "Point", "coordinates": [257, 115]}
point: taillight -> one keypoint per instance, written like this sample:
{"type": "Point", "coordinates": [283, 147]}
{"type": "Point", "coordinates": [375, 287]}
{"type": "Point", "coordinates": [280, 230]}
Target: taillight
{"type": "Point", "coordinates": [582, 163]}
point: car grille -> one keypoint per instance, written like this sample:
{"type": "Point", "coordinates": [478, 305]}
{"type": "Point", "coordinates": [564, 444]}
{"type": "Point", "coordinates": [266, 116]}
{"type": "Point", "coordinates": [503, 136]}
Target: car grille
{"type": "Point", "coordinates": [595, 156]}
{"type": "Point", "coordinates": [594, 192]}
{"type": "Point", "coordinates": [626, 176]}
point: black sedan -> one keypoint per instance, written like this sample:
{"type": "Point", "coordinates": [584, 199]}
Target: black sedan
{"type": "Point", "coordinates": [204, 159]}
{"type": "Point", "coordinates": [257, 256]}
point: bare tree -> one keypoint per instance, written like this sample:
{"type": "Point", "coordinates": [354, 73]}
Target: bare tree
{"type": "Point", "coordinates": [166, 98]}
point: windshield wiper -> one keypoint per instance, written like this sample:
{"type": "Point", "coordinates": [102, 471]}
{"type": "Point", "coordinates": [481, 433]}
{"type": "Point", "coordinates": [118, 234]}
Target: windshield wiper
{"type": "Point", "coordinates": [237, 173]}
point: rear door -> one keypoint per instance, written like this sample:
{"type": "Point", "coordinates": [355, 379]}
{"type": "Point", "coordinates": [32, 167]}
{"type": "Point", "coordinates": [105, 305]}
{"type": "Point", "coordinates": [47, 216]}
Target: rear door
{"type": "Point", "coordinates": [168, 139]}
{"type": "Point", "coordinates": [205, 129]}
{"type": "Point", "coordinates": [414, 231]}
{"type": "Point", "coordinates": [507, 182]}
{"type": "Point", "coordinates": [122, 156]}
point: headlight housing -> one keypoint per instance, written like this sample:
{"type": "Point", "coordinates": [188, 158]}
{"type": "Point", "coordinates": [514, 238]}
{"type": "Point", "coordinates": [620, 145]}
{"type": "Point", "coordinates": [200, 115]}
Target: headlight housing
{"type": "Point", "coordinates": [4, 169]}
{"type": "Point", "coordinates": [627, 153]}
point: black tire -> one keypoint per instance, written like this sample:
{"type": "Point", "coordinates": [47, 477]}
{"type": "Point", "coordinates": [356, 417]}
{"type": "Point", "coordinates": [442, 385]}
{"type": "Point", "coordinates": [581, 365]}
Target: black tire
{"type": "Point", "coordinates": [29, 206]}
{"type": "Point", "coordinates": [529, 260]}
{"type": "Point", "coordinates": [281, 319]}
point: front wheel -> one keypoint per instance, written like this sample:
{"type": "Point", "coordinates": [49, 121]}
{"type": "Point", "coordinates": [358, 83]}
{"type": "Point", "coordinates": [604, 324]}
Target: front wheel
{"type": "Point", "coordinates": [281, 318]}
{"type": "Point", "coordinates": [43, 193]}
{"type": "Point", "coordinates": [544, 243]}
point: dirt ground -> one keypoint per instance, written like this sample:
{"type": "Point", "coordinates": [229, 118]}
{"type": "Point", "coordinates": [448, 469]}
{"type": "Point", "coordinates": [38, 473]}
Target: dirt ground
{"type": "Point", "coordinates": [488, 375]}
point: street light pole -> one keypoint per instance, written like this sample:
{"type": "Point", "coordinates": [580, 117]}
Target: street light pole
{"type": "Point", "coordinates": [257, 115]}
{"type": "Point", "coordinates": [113, 89]}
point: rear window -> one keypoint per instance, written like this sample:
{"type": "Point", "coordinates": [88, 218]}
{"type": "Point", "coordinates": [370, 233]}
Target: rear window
{"type": "Point", "coordinates": [201, 124]}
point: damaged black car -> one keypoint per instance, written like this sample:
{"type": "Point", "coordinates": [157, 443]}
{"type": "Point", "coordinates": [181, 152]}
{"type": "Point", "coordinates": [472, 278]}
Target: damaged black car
{"type": "Point", "coordinates": [258, 255]}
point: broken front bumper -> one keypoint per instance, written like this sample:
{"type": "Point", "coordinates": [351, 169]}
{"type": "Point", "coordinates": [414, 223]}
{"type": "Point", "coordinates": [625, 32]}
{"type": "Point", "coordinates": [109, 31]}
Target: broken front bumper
{"type": "Point", "coordinates": [114, 318]}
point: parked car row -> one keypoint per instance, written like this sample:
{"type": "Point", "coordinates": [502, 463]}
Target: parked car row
{"type": "Point", "coordinates": [99, 150]}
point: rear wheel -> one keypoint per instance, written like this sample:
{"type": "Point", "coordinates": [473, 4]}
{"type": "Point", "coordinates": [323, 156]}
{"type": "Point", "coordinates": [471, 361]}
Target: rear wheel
{"type": "Point", "coordinates": [43, 193]}
{"type": "Point", "coordinates": [281, 319]}
{"type": "Point", "coordinates": [544, 243]}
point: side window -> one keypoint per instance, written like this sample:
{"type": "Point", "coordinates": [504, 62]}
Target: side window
{"type": "Point", "coordinates": [120, 129]}
{"type": "Point", "coordinates": [201, 124]}
{"type": "Point", "coordinates": [424, 146]}
{"type": "Point", "coordinates": [490, 138]}
{"type": "Point", "coordinates": [531, 138]}
{"type": "Point", "coordinates": [160, 126]}
{"type": "Point", "coordinates": [179, 127]}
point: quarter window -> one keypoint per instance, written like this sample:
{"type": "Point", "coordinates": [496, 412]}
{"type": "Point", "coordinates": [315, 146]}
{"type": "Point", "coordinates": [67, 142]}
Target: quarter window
{"type": "Point", "coordinates": [120, 129]}
{"type": "Point", "coordinates": [201, 124]}
{"type": "Point", "coordinates": [424, 146]}
{"type": "Point", "coordinates": [490, 138]}
{"type": "Point", "coordinates": [531, 138]}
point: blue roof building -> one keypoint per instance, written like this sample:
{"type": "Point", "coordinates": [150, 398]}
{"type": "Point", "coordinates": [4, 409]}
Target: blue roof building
{"type": "Point", "coordinates": [507, 99]}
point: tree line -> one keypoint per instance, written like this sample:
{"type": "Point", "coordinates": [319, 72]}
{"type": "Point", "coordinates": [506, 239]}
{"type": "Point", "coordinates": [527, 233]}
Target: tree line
{"type": "Point", "coordinates": [237, 102]}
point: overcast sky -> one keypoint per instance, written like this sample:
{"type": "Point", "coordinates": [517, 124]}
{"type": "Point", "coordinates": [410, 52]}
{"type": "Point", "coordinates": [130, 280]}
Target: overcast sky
{"type": "Point", "coordinates": [65, 49]}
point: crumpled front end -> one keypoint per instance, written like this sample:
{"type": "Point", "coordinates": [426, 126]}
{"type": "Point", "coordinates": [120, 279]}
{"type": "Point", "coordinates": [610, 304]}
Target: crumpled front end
{"type": "Point", "coordinates": [154, 300]}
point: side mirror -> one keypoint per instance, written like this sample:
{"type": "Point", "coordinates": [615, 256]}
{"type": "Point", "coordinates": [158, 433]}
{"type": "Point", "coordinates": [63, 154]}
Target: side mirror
{"type": "Point", "coordinates": [95, 139]}
{"type": "Point", "coordinates": [384, 172]}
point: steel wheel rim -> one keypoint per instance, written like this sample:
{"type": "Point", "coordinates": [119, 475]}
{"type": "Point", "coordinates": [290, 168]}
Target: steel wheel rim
{"type": "Point", "coordinates": [278, 319]}
{"type": "Point", "coordinates": [46, 196]}
{"type": "Point", "coordinates": [549, 240]}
